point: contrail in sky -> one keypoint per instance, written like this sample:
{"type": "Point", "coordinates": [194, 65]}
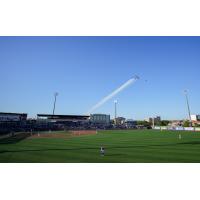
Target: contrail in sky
{"type": "Point", "coordinates": [114, 93]}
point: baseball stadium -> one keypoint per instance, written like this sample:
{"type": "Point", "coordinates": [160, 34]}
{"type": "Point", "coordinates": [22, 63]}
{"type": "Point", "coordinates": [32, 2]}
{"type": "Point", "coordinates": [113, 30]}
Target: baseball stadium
{"type": "Point", "coordinates": [50, 86]}
{"type": "Point", "coordinates": [95, 138]}
{"type": "Point", "coordinates": [83, 146]}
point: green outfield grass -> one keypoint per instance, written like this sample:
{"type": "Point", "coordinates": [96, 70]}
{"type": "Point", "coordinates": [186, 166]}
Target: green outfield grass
{"type": "Point", "coordinates": [147, 146]}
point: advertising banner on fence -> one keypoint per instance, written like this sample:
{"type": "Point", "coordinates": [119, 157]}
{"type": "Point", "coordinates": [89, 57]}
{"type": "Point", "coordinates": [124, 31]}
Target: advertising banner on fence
{"type": "Point", "coordinates": [179, 128]}
{"type": "Point", "coordinates": [163, 128]}
{"type": "Point", "coordinates": [189, 129]}
{"type": "Point", "coordinates": [171, 128]}
{"type": "Point", "coordinates": [157, 127]}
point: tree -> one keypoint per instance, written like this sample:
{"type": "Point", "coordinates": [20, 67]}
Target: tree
{"type": "Point", "coordinates": [164, 123]}
{"type": "Point", "coordinates": [196, 125]}
{"type": "Point", "coordinates": [186, 123]}
{"type": "Point", "coordinates": [143, 123]}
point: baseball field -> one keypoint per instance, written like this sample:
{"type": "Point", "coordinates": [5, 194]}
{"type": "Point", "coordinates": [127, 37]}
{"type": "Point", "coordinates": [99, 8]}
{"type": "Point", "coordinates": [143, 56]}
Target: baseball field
{"type": "Point", "coordinates": [135, 146]}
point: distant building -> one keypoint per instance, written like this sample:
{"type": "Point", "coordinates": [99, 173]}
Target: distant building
{"type": "Point", "coordinates": [154, 120]}
{"type": "Point", "coordinates": [120, 121]}
{"type": "Point", "coordinates": [130, 123]}
{"type": "Point", "coordinates": [157, 119]}
{"type": "Point", "coordinates": [100, 119]}
{"type": "Point", "coordinates": [175, 123]}
{"type": "Point", "coordinates": [195, 118]}
{"type": "Point", "coordinates": [150, 120]}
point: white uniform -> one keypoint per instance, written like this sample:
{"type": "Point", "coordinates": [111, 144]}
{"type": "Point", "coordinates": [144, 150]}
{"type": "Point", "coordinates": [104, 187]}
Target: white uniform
{"type": "Point", "coordinates": [102, 151]}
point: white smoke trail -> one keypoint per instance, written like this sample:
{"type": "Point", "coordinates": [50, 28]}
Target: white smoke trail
{"type": "Point", "coordinates": [114, 93]}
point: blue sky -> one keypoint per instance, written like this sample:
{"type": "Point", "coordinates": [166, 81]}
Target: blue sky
{"type": "Point", "coordinates": [85, 69]}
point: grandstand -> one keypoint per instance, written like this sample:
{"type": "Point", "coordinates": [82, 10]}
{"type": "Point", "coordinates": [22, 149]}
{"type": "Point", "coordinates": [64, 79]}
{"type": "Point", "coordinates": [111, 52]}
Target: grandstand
{"type": "Point", "coordinates": [63, 118]}
{"type": "Point", "coordinates": [56, 122]}
{"type": "Point", "coordinates": [12, 122]}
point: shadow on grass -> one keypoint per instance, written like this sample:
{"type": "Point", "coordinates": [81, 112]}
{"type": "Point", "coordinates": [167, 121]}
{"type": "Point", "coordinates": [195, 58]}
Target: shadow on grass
{"type": "Point", "coordinates": [192, 143]}
{"type": "Point", "coordinates": [14, 139]}
{"type": "Point", "coordinates": [96, 148]}
{"type": "Point", "coordinates": [111, 155]}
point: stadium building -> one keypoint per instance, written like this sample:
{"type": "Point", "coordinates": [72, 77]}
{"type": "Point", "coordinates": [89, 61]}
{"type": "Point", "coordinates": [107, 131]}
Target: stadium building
{"type": "Point", "coordinates": [12, 122]}
{"type": "Point", "coordinates": [45, 121]}
{"type": "Point", "coordinates": [100, 120]}
{"type": "Point", "coordinates": [195, 119]}
{"type": "Point", "coordinates": [130, 123]}
{"type": "Point", "coordinates": [120, 121]}
{"type": "Point", "coordinates": [62, 118]}
{"type": "Point", "coordinates": [12, 117]}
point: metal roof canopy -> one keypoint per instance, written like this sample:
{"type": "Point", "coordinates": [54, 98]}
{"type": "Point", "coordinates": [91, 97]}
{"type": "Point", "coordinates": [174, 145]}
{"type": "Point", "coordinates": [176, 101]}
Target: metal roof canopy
{"type": "Point", "coordinates": [5, 113]}
{"type": "Point", "coordinates": [65, 117]}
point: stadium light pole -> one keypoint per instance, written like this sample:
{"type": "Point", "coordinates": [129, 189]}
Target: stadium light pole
{"type": "Point", "coordinates": [115, 102]}
{"type": "Point", "coordinates": [188, 105]}
{"type": "Point", "coordinates": [55, 98]}
{"type": "Point", "coordinates": [153, 122]}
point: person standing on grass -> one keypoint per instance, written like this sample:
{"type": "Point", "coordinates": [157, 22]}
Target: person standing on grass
{"type": "Point", "coordinates": [102, 151]}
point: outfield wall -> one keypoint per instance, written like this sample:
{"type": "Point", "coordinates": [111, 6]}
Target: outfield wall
{"type": "Point", "coordinates": [179, 128]}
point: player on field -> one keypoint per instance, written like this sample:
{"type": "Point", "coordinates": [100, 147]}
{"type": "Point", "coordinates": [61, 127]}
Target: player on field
{"type": "Point", "coordinates": [102, 151]}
